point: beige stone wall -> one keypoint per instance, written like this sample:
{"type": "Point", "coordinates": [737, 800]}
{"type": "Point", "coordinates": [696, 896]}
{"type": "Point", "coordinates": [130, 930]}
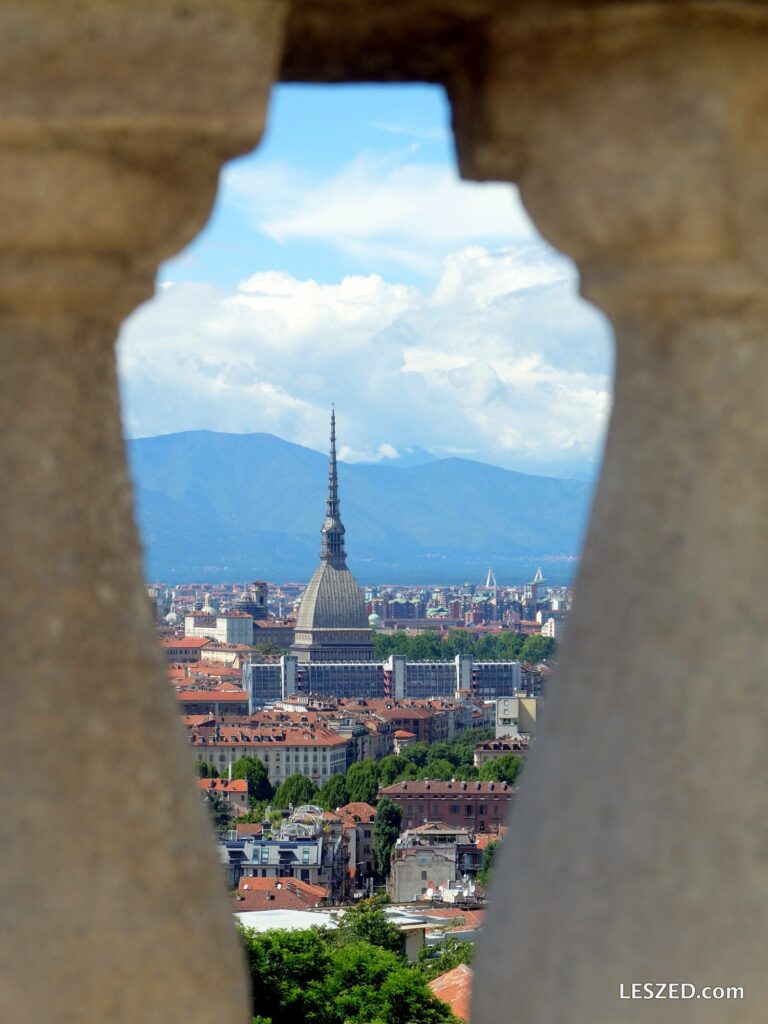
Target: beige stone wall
{"type": "Point", "coordinates": [115, 118]}
{"type": "Point", "coordinates": [637, 134]}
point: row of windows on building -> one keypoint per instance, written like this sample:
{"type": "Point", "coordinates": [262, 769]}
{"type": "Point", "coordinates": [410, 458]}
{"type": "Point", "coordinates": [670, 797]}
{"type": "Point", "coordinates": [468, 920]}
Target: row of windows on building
{"type": "Point", "coordinates": [303, 875]}
{"type": "Point", "coordinates": [266, 682]}
{"type": "Point", "coordinates": [289, 754]}
{"type": "Point", "coordinates": [469, 809]}
{"type": "Point", "coordinates": [261, 855]}
{"type": "Point", "coordinates": [337, 761]}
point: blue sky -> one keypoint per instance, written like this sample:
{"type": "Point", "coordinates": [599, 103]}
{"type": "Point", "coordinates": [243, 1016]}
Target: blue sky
{"type": "Point", "coordinates": [344, 261]}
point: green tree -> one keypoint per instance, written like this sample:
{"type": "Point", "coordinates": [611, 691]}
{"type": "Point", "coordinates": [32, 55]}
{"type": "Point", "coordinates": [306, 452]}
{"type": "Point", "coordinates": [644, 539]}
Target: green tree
{"type": "Point", "coordinates": [438, 769]}
{"type": "Point", "coordinates": [430, 646]}
{"type": "Point", "coordinates": [433, 961]}
{"type": "Point", "coordinates": [310, 976]}
{"type": "Point", "coordinates": [363, 781]}
{"type": "Point", "coordinates": [367, 921]}
{"type": "Point", "coordinates": [354, 987]}
{"type": "Point", "coordinates": [459, 642]}
{"type": "Point", "coordinates": [416, 754]}
{"type": "Point", "coordinates": [391, 768]}
{"type": "Point", "coordinates": [426, 646]}
{"type": "Point", "coordinates": [443, 751]}
{"type": "Point", "coordinates": [486, 867]}
{"type": "Point", "coordinates": [506, 768]}
{"type": "Point", "coordinates": [333, 793]}
{"type": "Point", "coordinates": [254, 772]}
{"type": "Point", "coordinates": [287, 972]}
{"type": "Point", "coordinates": [220, 811]}
{"type": "Point", "coordinates": [486, 649]}
{"type": "Point", "coordinates": [296, 790]}
{"type": "Point", "coordinates": [374, 985]}
{"type": "Point", "coordinates": [205, 770]}
{"type": "Point", "coordinates": [386, 830]}
{"type": "Point", "coordinates": [510, 645]}
{"type": "Point", "coordinates": [538, 648]}
{"type": "Point", "coordinates": [260, 811]}
{"type": "Point", "coordinates": [385, 644]}
{"type": "Point", "coordinates": [270, 648]}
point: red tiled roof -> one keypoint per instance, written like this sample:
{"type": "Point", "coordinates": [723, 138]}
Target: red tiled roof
{"type": "Point", "coordinates": [249, 828]}
{"type": "Point", "coordinates": [403, 734]}
{"type": "Point", "coordinates": [292, 736]}
{"type": "Point", "coordinates": [213, 696]}
{"type": "Point", "coordinates": [218, 647]}
{"type": "Point", "coordinates": [193, 721]}
{"type": "Point", "coordinates": [484, 838]}
{"type": "Point", "coordinates": [359, 810]}
{"type": "Point", "coordinates": [277, 894]}
{"type": "Point", "coordinates": [184, 641]}
{"type": "Point", "coordinates": [385, 711]}
{"type": "Point", "coordinates": [223, 785]}
{"type": "Point", "coordinates": [443, 788]}
{"type": "Point", "coordinates": [455, 988]}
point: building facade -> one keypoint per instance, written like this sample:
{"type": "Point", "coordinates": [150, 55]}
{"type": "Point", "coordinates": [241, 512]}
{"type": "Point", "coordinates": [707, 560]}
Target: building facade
{"type": "Point", "coordinates": [516, 715]}
{"type": "Point", "coordinates": [490, 750]}
{"type": "Point", "coordinates": [358, 818]}
{"type": "Point", "coordinates": [233, 627]}
{"type": "Point", "coordinates": [234, 791]}
{"type": "Point", "coordinates": [304, 848]}
{"type": "Point", "coordinates": [315, 751]}
{"type": "Point", "coordinates": [478, 806]}
{"type": "Point", "coordinates": [396, 678]}
{"type": "Point", "coordinates": [430, 858]}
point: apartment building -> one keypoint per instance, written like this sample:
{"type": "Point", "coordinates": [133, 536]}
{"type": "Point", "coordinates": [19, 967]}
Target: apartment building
{"type": "Point", "coordinates": [479, 806]}
{"type": "Point", "coordinates": [312, 750]}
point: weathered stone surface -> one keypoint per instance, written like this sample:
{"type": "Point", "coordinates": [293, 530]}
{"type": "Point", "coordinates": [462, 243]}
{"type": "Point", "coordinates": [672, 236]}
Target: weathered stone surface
{"type": "Point", "coordinates": [398, 41]}
{"type": "Point", "coordinates": [637, 135]}
{"type": "Point", "coordinates": [114, 119]}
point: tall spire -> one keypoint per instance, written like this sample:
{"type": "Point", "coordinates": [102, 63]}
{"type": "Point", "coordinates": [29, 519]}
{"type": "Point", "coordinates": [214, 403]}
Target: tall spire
{"type": "Point", "coordinates": [332, 547]}
{"type": "Point", "coordinates": [332, 510]}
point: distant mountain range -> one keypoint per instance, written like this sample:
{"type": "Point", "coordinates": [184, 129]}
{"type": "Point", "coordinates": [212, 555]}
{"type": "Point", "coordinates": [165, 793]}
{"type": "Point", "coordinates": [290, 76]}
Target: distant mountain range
{"type": "Point", "coordinates": [221, 507]}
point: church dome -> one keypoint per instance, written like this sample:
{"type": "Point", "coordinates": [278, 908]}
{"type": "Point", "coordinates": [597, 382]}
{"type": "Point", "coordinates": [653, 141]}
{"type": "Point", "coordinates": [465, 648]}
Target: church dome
{"type": "Point", "coordinates": [332, 601]}
{"type": "Point", "coordinates": [374, 620]}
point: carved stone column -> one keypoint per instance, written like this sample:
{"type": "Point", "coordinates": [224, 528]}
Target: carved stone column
{"type": "Point", "coordinates": [114, 120]}
{"type": "Point", "coordinates": [638, 851]}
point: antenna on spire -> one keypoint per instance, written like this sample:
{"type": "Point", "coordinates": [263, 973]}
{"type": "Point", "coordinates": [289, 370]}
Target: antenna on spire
{"type": "Point", "coordinates": [332, 549]}
{"type": "Point", "coordinates": [333, 478]}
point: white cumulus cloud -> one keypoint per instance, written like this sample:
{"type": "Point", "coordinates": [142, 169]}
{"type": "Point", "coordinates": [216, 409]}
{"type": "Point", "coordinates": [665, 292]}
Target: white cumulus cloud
{"type": "Point", "coordinates": [499, 361]}
{"type": "Point", "coordinates": [389, 208]}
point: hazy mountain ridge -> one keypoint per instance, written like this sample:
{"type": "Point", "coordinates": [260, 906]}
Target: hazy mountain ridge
{"type": "Point", "coordinates": [231, 506]}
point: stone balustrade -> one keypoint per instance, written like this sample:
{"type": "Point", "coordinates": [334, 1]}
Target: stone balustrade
{"type": "Point", "coordinates": [637, 135]}
{"type": "Point", "coordinates": [115, 119]}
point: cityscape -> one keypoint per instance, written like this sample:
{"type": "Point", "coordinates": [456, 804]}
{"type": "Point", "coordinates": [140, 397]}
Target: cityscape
{"type": "Point", "coordinates": [383, 512]}
{"type": "Point", "coordinates": [359, 749]}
